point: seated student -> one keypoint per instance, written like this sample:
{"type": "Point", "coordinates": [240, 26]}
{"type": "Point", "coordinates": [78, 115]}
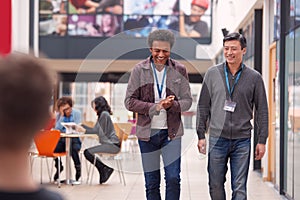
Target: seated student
{"type": "Point", "coordinates": [20, 122]}
{"type": "Point", "coordinates": [109, 141]}
{"type": "Point", "coordinates": [67, 114]}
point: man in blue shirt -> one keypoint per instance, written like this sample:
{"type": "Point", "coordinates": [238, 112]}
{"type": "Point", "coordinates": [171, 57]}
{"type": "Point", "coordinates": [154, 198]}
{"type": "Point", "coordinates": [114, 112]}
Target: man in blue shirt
{"type": "Point", "coordinates": [67, 114]}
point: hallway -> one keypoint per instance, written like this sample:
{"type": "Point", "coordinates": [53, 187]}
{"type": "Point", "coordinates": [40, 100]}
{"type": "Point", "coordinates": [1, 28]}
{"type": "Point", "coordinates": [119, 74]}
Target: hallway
{"type": "Point", "coordinates": [193, 178]}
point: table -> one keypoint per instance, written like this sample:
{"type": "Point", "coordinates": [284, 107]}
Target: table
{"type": "Point", "coordinates": [68, 154]}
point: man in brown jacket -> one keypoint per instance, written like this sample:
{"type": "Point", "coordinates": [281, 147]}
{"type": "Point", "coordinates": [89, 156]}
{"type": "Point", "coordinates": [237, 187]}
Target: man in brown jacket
{"type": "Point", "coordinates": [158, 90]}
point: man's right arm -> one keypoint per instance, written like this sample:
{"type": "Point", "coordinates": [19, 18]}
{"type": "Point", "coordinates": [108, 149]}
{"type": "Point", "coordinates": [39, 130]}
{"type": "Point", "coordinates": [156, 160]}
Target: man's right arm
{"type": "Point", "coordinates": [132, 100]}
{"type": "Point", "coordinates": [203, 112]}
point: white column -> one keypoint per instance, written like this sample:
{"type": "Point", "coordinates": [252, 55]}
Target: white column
{"type": "Point", "coordinates": [20, 26]}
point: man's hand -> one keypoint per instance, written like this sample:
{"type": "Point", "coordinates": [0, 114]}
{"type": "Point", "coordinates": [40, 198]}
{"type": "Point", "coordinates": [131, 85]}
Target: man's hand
{"type": "Point", "coordinates": [61, 111]}
{"type": "Point", "coordinates": [165, 103]}
{"type": "Point", "coordinates": [260, 151]}
{"type": "Point", "coordinates": [168, 102]}
{"type": "Point", "coordinates": [202, 146]}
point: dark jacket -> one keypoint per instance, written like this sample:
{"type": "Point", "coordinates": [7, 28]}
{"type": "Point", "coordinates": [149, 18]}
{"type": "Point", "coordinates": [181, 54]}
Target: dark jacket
{"type": "Point", "coordinates": [140, 97]}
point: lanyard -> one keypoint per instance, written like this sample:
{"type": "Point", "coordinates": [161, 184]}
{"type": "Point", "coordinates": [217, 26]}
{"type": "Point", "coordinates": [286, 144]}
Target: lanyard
{"type": "Point", "coordinates": [236, 80]}
{"type": "Point", "coordinates": [159, 87]}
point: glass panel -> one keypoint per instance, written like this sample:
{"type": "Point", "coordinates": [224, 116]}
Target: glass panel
{"type": "Point", "coordinates": [292, 13]}
{"type": "Point", "coordinates": [276, 19]}
{"type": "Point", "coordinates": [297, 12]}
{"type": "Point", "coordinates": [248, 32]}
{"type": "Point", "coordinates": [289, 142]}
{"type": "Point", "coordinates": [121, 114]}
{"type": "Point", "coordinates": [296, 118]}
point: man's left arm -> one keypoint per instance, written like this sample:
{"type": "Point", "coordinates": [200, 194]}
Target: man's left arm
{"type": "Point", "coordinates": [183, 101]}
{"type": "Point", "coordinates": [261, 118]}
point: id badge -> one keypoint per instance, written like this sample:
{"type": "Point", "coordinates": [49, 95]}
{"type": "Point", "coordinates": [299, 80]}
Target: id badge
{"type": "Point", "coordinates": [229, 106]}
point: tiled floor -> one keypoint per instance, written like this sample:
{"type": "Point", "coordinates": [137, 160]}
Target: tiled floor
{"type": "Point", "coordinates": [194, 179]}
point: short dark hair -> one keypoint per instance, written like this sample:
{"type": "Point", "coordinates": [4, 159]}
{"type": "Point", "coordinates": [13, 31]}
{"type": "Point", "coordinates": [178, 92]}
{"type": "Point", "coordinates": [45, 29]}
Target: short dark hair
{"type": "Point", "coordinates": [101, 105]}
{"type": "Point", "coordinates": [235, 36]}
{"type": "Point", "coordinates": [161, 35]}
{"type": "Point", "coordinates": [25, 97]}
{"type": "Point", "coordinates": [63, 101]}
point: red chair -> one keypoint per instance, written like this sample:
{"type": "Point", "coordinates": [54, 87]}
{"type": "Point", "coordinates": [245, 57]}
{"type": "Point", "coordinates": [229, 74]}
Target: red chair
{"type": "Point", "coordinates": [46, 141]}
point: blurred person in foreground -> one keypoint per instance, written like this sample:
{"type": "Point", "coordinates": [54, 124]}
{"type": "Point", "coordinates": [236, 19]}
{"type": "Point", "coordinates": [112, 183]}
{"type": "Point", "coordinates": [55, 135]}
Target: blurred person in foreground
{"type": "Point", "coordinates": [109, 141]}
{"type": "Point", "coordinates": [230, 92]}
{"type": "Point", "coordinates": [158, 90]}
{"type": "Point", "coordinates": [22, 77]}
{"type": "Point", "coordinates": [66, 113]}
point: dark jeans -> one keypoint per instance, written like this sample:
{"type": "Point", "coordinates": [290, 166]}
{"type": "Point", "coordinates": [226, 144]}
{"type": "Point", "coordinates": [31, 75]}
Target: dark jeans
{"type": "Point", "coordinates": [238, 152]}
{"type": "Point", "coordinates": [170, 150]}
{"type": "Point", "coordinates": [75, 147]}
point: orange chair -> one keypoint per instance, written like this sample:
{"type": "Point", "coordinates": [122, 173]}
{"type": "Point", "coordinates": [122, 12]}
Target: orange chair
{"type": "Point", "coordinates": [46, 141]}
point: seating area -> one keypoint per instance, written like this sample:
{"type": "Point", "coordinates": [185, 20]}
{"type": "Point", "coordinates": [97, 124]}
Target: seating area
{"type": "Point", "coordinates": [46, 141]}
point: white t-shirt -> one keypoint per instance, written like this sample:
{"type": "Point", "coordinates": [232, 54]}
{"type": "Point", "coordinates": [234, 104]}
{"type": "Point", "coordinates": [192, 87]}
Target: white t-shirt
{"type": "Point", "coordinates": [159, 121]}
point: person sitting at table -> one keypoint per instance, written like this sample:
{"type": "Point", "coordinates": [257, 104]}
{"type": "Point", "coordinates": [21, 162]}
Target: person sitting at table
{"type": "Point", "coordinates": [66, 113]}
{"type": "Point", "coordinates": [109, 141]}
{"type": "Point", "coordinates": [20, 122]}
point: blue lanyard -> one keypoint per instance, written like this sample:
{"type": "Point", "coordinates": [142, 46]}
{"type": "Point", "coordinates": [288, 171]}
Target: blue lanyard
{"type": "Point", "coordinates": [159, 87]}
{"type": "Point", "coordinates": [236, 80]}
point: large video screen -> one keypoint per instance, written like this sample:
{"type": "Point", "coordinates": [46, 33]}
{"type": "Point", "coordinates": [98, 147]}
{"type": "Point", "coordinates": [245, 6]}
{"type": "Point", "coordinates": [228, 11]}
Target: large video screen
{"type": "Point", "coordinates": [133, 18]}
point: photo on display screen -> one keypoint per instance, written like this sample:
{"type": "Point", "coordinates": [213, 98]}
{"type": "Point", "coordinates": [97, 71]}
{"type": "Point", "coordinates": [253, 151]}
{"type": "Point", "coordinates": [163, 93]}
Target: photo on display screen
{"type": "Point", "coordinates": [101, 25]}
{"type": "Point", "coordinates": [195, 18]}
{"type": "Point", "coordinates": [142, 25]}
{"type": "Point", "coordinates": [52, 17]}
{"type": "Point", "coordinates": [133, 18]}
{"type": "Point", "coordinates": [96, 6]}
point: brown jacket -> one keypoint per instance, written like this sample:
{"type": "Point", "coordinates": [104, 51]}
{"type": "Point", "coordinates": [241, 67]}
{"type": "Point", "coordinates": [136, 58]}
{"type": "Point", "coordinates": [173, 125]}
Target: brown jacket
{"type": "Point", "coordinates": [140, 97]}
